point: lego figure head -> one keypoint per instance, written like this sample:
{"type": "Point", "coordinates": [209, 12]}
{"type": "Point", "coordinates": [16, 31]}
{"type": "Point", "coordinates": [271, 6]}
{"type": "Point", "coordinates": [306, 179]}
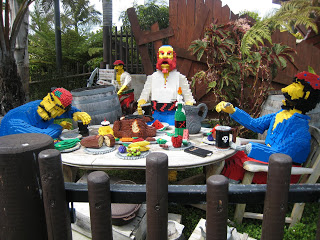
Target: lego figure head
{"type": "Point", "coordinates": [303, 94]}
{"type": "Point", "coordinates": [55, 104]}
{"type": "Point", "coordinates": [167, 60]}
{"type": "Point", "coordinates": [118, 66]}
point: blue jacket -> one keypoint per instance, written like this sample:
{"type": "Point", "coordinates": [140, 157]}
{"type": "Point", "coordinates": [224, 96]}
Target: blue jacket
{"type": "Point", "coordinates": [290, 137]}
{"type": "Point", "coordinates": [25, 119]}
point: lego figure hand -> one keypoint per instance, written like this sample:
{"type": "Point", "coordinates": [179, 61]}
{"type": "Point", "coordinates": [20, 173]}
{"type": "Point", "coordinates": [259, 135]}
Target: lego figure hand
{"type": "Point", "coordinates": [141, 102]}
{"type": "Point", "coordinates": [189, 103]}
{"type": "Point", "coordinates": [66, 125]}
{"type": "Point", "coordinates": [82, 116]}
{"type": "Point", "coordinates": [121, 89]}
{"type": "Point", "coordinates": [246, 148]}
{"type": "Point", "coordinates": [226, 107]}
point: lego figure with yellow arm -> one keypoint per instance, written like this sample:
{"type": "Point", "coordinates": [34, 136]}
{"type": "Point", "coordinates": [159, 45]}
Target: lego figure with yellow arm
{"type": "Point", "coordinates": [123, 85]}
{"type": "Point", "coordinates": [161, 88]}
{"type": "Point", "coordinates": [287, 129]}
{"type": "Point", "coordinates": [38, 116]}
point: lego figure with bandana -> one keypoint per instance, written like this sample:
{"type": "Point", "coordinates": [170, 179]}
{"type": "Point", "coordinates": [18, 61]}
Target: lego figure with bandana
{"type": "Point", "coordinates": [287, 129]}
{"type": "Point", "coordinates": [123, 84]}
{"type": "Point", "coordinates": [162, 87]}
{"type": "Point", "coordinates": [38, 116]}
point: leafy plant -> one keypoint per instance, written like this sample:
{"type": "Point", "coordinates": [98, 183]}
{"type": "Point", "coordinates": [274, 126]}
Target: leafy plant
{"type": "Point", "coordinates": [232, 76]}
{"type": "Point", "coordinates": [291, 14]}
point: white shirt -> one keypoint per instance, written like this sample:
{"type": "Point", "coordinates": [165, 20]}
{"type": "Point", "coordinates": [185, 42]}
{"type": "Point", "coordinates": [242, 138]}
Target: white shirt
{"type": "Point", "coordinates": [156, 89]}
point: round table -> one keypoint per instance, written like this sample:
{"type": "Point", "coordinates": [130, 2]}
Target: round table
{"type": "Point", "coordinates": [177, 159]}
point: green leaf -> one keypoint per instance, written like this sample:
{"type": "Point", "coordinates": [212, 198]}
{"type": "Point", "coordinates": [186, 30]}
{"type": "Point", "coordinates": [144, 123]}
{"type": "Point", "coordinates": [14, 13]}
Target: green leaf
{"type": "Point", "coordinates": [212, 84]}
{"type": "Point", "coordinates": [311, 70]}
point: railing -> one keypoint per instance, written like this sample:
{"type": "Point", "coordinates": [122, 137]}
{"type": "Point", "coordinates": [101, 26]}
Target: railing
{"type": "Point", "coordinates": [32, 187]}
{"type": "Point", "coordinates": [217, 193]}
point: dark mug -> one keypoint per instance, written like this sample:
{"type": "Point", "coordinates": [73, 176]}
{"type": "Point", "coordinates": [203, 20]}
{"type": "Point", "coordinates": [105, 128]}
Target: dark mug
{"type": "Point", "coordinates": [83, 129]}
{"type": "Point", "coordinates": [223, 136]}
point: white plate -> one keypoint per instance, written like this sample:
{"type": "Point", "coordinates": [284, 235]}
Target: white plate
{"type": "Point", "coordinates": [125, 157]}
{"type": "Point", "coordinates": [76, 147]}
{"type": "Point", "coordinates": [165, 126]}
{"type": "Point", "coordinates": [70, 135]}
{"type": "Point", "coordinates": [183, 147]}
{"type": "Point", "coordinates": [205, 140]}
{"type": "Point", "coordinates": [103, 150]}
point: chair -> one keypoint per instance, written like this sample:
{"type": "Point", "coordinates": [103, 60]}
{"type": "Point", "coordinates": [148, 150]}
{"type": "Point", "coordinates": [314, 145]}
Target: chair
{"type": "Point", "coordinates": [310, 172]}
{"type": "Point", "coordinates": [104, 77]}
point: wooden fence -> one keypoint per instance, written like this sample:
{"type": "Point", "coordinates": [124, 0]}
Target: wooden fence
{"type": "Point", "coordinates": [121, 45]}
{"type": "Point", "coordinates": [33, 188]}
{"type": "Point", "coordinates": [188, 20]}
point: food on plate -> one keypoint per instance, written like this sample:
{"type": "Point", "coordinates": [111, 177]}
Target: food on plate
{"type": "Point", "coordinates": [109, 140]}
{"type": "Point", "coordinates": [157, 124]}
{"type": "Point", "coordinates": [95, 141]}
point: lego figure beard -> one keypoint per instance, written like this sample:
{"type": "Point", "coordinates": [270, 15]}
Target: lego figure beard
{"type": "Point", "coordinates": [171, 62]}
{"type": "Point", "coordinates": [304, 103]}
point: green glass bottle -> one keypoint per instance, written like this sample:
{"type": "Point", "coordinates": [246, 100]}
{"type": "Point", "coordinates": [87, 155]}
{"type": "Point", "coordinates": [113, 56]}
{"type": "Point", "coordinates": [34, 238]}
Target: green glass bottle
{"type": "Point", "coordinates": [179, 120]}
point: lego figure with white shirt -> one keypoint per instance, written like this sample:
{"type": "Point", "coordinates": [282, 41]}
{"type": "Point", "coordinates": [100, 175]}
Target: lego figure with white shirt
{"type": "Point", "coordinates": [125, 91]}
{"type": "Point", "coordinates": [161, 88]}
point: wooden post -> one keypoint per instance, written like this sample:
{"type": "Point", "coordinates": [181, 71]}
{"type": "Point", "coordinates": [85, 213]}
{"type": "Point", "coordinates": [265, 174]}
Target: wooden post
{"type": "Point", "coordinates": [100, 205]}
{"type": "Point", "coordinates": [157, 196]}
{"type": "Point", "coordinates": [276, 200]}
{"type": "Point", "coordinates": [54, 195]}
{"type": "Point", "coordinates": [21, 207]}
{"type": "Point", "coordinates": [217, 207]}
{"type": "Point", "coordinates": [318, 227]}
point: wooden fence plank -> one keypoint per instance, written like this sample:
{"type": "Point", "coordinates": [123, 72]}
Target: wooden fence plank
{"type": "Point", "coordinates": [217, 5]}
{"type": "Point", "coordinates": [197, 31]}
{"type": "Point", "coordinates": [225, 14]}
{"type": "Point", "coordinates": [143, 49]}
{"type": "Point", "coordinates": [173, 22]}
{"type": "Point", "coordinates": [154, 36]}
{"type": "Point", "coordinates": [158, 43]}
{"type": "Point", "coordinates": [190, 21]}
{"type": "Point", "coordinates": [182, 23]}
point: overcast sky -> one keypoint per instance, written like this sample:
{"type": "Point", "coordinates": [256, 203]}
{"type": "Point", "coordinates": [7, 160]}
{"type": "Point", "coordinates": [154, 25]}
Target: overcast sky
{"type": "Point", "coordinates": [260, 6]}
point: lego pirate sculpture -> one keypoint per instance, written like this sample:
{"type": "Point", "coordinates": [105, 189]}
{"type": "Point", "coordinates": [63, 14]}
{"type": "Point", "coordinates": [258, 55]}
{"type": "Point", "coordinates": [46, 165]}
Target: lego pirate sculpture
{"type": "Point", "coordinates": [123, 84]}
{"type": "Point", "coordinates": [162, 86]}
{"type": "Point", "coordinates": [287, 129]}
{"type": "Point", "coordinates": [38, 116]}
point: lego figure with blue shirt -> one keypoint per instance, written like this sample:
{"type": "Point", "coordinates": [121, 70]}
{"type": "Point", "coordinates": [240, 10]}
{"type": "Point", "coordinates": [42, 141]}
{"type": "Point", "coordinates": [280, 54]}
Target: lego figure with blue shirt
{"type": "Point", "coordinates": [287, 130]}
{"type": "Point", "coordinates": [38, 116]}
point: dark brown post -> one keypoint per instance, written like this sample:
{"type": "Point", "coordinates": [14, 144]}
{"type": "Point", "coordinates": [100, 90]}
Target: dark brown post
{"type": "Point", "coordinates": [276, 200]}
{"type": "Point", "coordinates": [318, 227]}
{"type": "Point", "coordinates": [100, 205]}
{"type": "Point", "coordinates": [54, 195]}
{"type": "Point", "coordinates": [217, 207]}
{"type": "Point", "coordinates": [21, 207]}
{"type": "Point", "coordinates": [157, 196]}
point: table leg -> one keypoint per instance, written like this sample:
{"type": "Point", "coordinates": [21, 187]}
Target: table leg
{"type": "Point", "coordinates": [214, 169]}
{"type": "Point", "coordinates": [69, 173]}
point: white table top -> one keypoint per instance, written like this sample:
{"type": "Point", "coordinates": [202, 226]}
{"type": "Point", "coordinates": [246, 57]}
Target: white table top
{"type": "Point", "coordinates": [177, 159]}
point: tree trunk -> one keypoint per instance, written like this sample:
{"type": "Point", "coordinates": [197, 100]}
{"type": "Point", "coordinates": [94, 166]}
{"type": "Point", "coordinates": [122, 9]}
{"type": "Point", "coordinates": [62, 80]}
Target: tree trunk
{"type": "Point", "coordinates": [21, 49]}
{"type": "Point", "coordinates": [11, 90]}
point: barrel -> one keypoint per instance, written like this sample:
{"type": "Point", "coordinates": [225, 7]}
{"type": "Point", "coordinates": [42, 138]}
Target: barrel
{"type": "Point", "coordinates": [100, 102]}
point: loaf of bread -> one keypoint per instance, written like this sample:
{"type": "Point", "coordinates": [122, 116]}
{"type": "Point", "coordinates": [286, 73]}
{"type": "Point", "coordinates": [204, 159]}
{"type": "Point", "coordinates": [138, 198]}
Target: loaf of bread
{"type": "Point", "coordinates": [133, 128]}
{"type": "Point", "coordinates": [95, 141]}
{"type": "Point", "coordinates": [109, 140]}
